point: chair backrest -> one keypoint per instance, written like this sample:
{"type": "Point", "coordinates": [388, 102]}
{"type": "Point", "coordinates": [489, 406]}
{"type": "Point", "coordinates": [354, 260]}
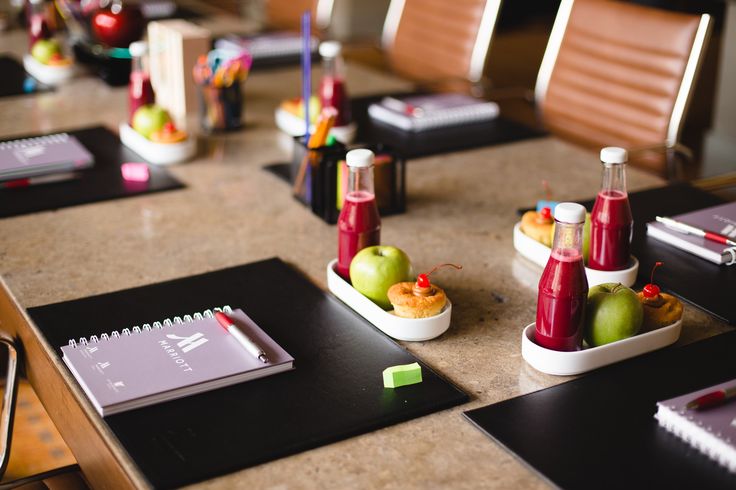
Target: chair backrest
{"type": "Point", "coordinates": [287, 14]}
{"type": "Point", "coordinates": [439, 40]}
{"type": "Point", "coordinates": [620, 74]}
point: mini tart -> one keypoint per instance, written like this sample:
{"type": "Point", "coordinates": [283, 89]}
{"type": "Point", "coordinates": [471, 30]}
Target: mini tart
{"type": "Point", "coordinates": [409, 305]}
{"type": "Point", "coordinates": [660, 311]}
{"type": "Point", "coordinates": [537, 227]}
{"type": "Point", "coordinates": [162, 136]}
{"type": "Point", "coordinates": [59, 62]}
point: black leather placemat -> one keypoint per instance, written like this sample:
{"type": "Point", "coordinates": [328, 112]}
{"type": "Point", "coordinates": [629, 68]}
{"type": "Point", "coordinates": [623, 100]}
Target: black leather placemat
{"type": "Point", "coordinates": [100, 182]}
{"type": "Point", "coordinates": [599, 431]}
{"type": "Point", "coordinates": [416, 144]}
{"type": "Point", "coordinates": [335, 392]}
{"type": "Point", "coordinates": [13, 79]}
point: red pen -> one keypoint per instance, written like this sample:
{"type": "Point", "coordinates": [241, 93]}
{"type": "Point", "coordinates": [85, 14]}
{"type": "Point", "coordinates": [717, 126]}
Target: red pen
{"type": "Point", "coordinates": [228, 324]}
{"type": "Point", "coordinates": [692, 230]}
{"type": "Point", "coordinates": [712, 399]}
{"type": "Point", "coordinates": [41, 179]}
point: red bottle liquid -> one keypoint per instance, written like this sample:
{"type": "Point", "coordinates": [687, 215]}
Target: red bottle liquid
{"type": "Point", "coordinates": [140, 90]}
{"type": "Point", "coordinates": [38, 27]}
{"type": "Point", "coordinates": [332, 91]}
{"type": "Point", "coordinates": [563, 288]}
{"type": "Point", "coordinates": [359, 225]}
{"type": "Point", "coordinates": [611, 223]}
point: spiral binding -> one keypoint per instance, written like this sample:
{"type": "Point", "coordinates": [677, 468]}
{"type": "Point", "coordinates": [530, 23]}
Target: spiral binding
{"type": "Point", "coordinates": [46, 140]}
{"type": "Point", "coordinates": [147, 327]}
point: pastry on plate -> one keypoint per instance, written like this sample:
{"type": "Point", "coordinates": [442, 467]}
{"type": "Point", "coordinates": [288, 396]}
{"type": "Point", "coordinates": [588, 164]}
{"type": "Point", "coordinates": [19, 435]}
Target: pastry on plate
{"type": "Point", "coordinates": [538, 225]}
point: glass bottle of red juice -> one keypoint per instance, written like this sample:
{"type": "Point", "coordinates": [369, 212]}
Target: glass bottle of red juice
{"type": "Point", "coordinates": [38, 27]}
{"type": "Point", "coordinates": [359, 225]}
{"type": "Point", "coordinates": [140, 90]}
{"type": "Point", "coordinates": [563, 288]}
{"type": "Point", "coordinates": [332, 91]}
{"type": "Point", "coordinates": [611, 223]}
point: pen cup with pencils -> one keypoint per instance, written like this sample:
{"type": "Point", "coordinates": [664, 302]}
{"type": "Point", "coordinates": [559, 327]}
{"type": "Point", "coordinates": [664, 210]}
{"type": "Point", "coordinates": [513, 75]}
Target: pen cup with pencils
{"type": "Point", "coordinates": [219, 77]}
{"type": "Point", "coordinates": [319, 178]}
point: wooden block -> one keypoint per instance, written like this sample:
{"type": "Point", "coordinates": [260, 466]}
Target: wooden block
{"type": "Point", "coordinates": [174, 47]}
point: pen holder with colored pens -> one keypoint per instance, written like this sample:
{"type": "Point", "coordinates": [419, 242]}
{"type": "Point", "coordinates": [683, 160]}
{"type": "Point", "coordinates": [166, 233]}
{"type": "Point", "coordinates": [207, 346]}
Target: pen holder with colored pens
{"type": "Point", "coordinates": [320, 183]}
{"type": "Point", "coordinates": [221, 108]}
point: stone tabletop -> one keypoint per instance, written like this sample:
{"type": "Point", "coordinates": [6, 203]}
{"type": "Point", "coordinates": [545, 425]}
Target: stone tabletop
{"type": "Point", "coordinates": [461, 208]}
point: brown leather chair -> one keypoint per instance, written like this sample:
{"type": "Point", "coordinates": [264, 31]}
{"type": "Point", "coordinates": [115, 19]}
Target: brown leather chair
{"type": "Point", "coordinates": [287, 14]}
{"type": "Point", "coordinates": [618, 74]}
{"type": "Point", "coordinates": [437, 43]}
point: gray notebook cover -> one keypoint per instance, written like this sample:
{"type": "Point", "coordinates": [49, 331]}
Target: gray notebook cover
{"type": "Point", "coordinates": [711, 431]}
{"type": "Point", "coordinates": [44, 154]}
{"type": "Point", "coordinates": [169, 360]}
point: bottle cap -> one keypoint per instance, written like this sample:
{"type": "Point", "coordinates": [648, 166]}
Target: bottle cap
{"type": "Point", "coordinates": [138, 48]}
{"type": "Point", "coordinates": [570, 212]}
{"type": "Point", "coordinates": [361, 158]}
{"type": "Point", "coordinates": [614, 154]}
{"type": "Point", "coordinates": [330, 49]}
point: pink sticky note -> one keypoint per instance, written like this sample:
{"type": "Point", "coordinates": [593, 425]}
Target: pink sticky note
{"type": "Point", "coordinates": [135, 172]}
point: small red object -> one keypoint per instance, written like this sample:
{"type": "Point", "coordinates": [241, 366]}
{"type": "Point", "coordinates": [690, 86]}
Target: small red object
{"type": "Point", "coordinates": [651, 290]}
{"type": "Point", "coordinates": [545, 213]}
{"type": "Point", "coordinates": [423, 281]}
{"type": "Point", "coordinates": [708, 400]}
{"type": "Point", "coordinates": [169, 127]}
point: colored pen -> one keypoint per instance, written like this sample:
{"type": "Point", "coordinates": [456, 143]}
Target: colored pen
{"type": "Point", "coordinates": [692, 230]}
{"type": "Point", "coordinates": [41, 179]}
{"type": "Point", "coordinates": [712, 399]}
{"type": "Point", "coordinates": [228, 324]}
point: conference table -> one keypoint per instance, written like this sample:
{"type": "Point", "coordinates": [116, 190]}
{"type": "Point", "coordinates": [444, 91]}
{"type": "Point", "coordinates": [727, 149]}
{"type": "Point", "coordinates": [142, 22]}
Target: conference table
{"type": "Point", "coordinates": [461, 208]}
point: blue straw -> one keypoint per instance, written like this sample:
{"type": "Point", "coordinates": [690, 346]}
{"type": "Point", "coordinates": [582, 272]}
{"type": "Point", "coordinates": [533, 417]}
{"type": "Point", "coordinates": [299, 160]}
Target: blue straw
{"type": "Point", "coordinates": [306, 71]}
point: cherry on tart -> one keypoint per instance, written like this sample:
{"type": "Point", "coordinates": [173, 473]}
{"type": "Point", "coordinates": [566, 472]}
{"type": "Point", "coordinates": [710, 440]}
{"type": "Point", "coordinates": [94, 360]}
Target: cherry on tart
{"type": "Point", "coordinates": [420, 299]}
{"type": "Point", "coordinates": [660, 309]}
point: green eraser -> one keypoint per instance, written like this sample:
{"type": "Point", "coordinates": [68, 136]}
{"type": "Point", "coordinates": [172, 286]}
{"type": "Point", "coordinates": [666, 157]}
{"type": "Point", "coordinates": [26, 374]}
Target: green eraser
{"type": "Point", "coordinates": [406, 374]}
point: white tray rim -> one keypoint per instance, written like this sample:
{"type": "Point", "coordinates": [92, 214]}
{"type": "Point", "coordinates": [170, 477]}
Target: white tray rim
{"type": "Point", "coordinates": [48, 74]}
{"type": "Point", "coordinates": [576, 362]}
{"type": "Point", "coordinates": [158, 153]}
{"type": "Point", "coordinates": [410, 329]}
{"type": "Point", "coordinates": [539, 254]}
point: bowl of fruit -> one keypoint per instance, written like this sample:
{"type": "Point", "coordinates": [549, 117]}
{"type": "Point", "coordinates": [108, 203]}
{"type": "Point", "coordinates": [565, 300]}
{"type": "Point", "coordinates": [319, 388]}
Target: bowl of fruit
{"type": "Point", "coordinates": [383, 290]}
{"type": "Point", "coordinates": [155, 137]}
{"type": "Point", "coordinates": [620, 323]}
{"type": "Point", "coordinates": [48, 64]}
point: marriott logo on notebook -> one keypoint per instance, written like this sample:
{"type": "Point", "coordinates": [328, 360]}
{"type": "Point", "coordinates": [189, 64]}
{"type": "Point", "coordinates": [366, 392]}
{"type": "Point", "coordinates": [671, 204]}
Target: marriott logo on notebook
{"type": "Point", "coordinates": [186, 344]}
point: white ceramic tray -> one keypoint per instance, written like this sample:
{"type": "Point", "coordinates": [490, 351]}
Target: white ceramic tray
{"type": "Point", "coordinates": [47, 74]}
{"type": "Point", "coordinates": [159, 153]}
{"type": "Point", "coordinates": [415, 329]}
{"type": "Point", "coordinates": [576, 362]}
{"type": "Point", "coordinates": [294, 126]}
{"type": "Point", "coordinates": [539, 254]}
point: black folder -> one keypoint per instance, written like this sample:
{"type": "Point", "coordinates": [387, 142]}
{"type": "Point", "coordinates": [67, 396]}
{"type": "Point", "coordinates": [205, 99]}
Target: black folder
{"type": "Point", "coordinates": [599, 431]}
{"type": "Point", "coordinates": [335, 392]}
{"type": "Point", "coordinates": [101, 182]}
{"type": "Point", "coordinates": [412, 144]}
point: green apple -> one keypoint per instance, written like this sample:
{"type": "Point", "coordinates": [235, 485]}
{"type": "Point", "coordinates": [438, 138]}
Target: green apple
{"type": "Point", "coordinates": [586, 237]}
{"type": "Point", "coordinates": [613, 312]}
{"type": "Point", "coordinates": [315, 107]}
{"type": "Point", "coordinates": [44, 49]}
{"type": "Point", "coordinates": [375, 269]}
{"type": "Point", "coordinates": [150, 118]}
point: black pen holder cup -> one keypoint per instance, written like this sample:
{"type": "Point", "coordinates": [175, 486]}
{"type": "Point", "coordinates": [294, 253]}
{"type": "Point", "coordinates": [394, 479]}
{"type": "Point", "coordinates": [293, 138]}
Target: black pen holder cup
{"type": "Point", "coordinates": [220, 108]}
{"type": "Point", "coordinates": [319, 179]}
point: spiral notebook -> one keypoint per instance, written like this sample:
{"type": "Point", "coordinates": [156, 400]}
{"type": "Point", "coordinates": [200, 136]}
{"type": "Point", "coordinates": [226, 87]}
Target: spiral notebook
{"type": "Point", "coordinates": [711, 431]}
{"type": "Point", "coordinates": [47, 154]}
{"type": "Point", "coordinates": [169, 359]}
{"type": "Point", "coordinates": [424, 112]}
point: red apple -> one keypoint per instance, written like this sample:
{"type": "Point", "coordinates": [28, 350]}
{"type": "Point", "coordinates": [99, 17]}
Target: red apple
{"type": "Point", "coordinates": [118, 25]}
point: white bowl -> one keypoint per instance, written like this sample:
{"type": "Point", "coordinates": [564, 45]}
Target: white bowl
{"type": "Point", "coordinates": [159, 153]}
{"type": "Point", "coordinates": [48, 74]}
{"type": "Point", "coordinates": [539, 254]}
{"type": "Point", "coordinates": [294, 126]}
{"type": "Point", "coordinates": [575, 362]}
{"type": "Point", "coordinates": [414, 329]}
